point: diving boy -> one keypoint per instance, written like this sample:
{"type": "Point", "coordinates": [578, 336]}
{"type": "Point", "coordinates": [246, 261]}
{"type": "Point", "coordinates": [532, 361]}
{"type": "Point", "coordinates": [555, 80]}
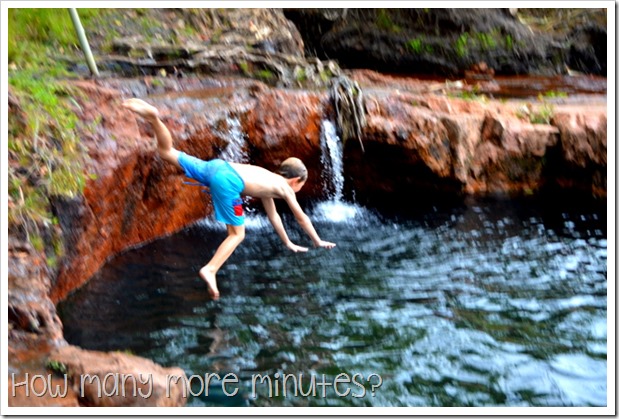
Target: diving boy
{"type": "Point", "coordinates": [227, 182]}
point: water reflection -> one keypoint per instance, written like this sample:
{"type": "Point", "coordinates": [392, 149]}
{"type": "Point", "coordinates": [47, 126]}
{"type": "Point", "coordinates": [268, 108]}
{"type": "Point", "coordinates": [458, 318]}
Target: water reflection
{"type": "Point", "coordinates": [488, 303]}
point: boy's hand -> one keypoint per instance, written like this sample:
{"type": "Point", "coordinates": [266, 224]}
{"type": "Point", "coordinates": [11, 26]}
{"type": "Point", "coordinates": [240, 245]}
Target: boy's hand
{"type": "Point", "coordinates": [296, 248]}
{"type": "Point", "coordinates": [326, 245]}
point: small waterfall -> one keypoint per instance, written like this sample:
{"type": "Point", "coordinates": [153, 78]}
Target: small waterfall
{"type": "Point", "coordinates": [332, 159]}
{"type": "Point", "coordinates": [236, 151]}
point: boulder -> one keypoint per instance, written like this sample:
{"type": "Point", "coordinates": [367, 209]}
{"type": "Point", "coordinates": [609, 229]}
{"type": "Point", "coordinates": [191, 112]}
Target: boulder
{"type": "Point", "coordinates": [116, 379]}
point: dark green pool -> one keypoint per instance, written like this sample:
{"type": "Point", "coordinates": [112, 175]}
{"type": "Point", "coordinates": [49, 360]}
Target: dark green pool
{"type": "Point", "coordinates": [484, 303]}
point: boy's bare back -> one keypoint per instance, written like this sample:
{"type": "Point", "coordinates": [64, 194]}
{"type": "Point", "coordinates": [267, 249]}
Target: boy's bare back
{"type": "Point", "coordinates": [260, 182]}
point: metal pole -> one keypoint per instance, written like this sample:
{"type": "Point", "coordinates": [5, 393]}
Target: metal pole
{"type": "Point", "coordinates": [83, 42]}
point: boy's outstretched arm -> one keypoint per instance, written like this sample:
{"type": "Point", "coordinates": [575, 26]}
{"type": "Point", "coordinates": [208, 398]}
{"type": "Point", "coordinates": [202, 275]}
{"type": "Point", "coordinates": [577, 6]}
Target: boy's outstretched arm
{"type": "Point", "coordinates": [276, 221]}
{"type": "Point", "coordinates": [305, 222]}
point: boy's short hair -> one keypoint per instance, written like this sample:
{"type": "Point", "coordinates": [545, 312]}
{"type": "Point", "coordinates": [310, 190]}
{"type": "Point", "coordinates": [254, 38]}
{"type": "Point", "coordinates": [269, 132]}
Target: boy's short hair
{"type": "Point", "coordinates": [293, 167]}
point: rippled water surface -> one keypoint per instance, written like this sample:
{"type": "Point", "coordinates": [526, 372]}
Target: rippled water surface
{"type": "Point", "coordinates": [488, 303]}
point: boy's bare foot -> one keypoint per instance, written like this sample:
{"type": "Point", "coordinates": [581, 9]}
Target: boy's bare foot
{"type": "Point", "coordinates": [141, 108]}
{"type": "Point", "coordinates": [211, 282]}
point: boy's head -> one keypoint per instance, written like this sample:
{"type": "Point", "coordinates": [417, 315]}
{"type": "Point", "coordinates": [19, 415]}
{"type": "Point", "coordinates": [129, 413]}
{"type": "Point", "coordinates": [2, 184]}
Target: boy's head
{"type": "Point", "coordinates": [293, 169]}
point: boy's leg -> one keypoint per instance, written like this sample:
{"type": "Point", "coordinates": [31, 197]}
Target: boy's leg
{"type": "Point", "coordinates": [208, 273]}
{"type": "Point", "coordinates": [164, 138]}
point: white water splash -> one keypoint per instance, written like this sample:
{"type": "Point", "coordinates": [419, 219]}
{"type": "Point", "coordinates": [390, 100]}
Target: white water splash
{"type": "Point", "coordinates": [339, 212]}
{"type": "Point", "coordinates": [253, 222]}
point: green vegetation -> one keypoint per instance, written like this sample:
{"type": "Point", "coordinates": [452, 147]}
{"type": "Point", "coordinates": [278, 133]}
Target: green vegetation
{"type": "Point", "coordinates": [509, 42]}
{"type": "Point", "coordinates": [486, 41]}
{"type": "Point", "coordinates": [383, 21]}
{"type": "Point", "coordinates": [326, 75]}
{"type": "Point", "coordinates": [266, 75]}
{"type": "Point", "coordinates": [482, 41]}
{"type": "Point", "coordinates": [417, 46]}
{"type": "Point", "coordinates": [244, 66]}
{"type": "Point", "coordinates": [462, 45]}
{"type": "Point", "coordinates": [473, 94]}
{"type": "Point", "coordinates": [300, 75]}
{"type": "Point", "coordinates": [553, 94]}
{"type": "Point", "coordinates": [42, 123]}
{"type": "Point", "coordinates": [542, 114]}
{"type": "Point", "coordinates": [35, 34]}
{"type": "Point", "coordinates": [57, 367]}
{"type": "Point", "coordinates": [43, 140]}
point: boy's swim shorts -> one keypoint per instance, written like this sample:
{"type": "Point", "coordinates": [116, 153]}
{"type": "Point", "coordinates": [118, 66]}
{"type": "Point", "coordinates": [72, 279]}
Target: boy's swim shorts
{"type": "Point", "coordinates": [224, 182]}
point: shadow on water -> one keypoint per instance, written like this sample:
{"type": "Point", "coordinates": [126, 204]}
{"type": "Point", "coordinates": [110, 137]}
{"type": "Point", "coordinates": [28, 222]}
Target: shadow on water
{"type": "Point", "coordinates": [486, 303]}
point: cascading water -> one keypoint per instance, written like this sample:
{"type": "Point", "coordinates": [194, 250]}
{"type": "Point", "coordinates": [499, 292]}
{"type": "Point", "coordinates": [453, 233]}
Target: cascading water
{"type": "Point", "coordinates": [332, 158]}
{"type": "Point", "coordinates": [236, 151]}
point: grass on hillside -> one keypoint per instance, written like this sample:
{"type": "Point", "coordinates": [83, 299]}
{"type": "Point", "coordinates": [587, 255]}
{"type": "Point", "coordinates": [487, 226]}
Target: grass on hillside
{"type": "Point", "coordinates": [45, 157]}
{"type": "Point", "coordinates": [45, 153]}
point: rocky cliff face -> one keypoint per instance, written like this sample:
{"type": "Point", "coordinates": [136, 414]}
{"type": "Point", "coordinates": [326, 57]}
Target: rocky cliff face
{"type": "Point", "coordinates": [449, 41]}
{"type": "Point", "coordinates": [445, 145]}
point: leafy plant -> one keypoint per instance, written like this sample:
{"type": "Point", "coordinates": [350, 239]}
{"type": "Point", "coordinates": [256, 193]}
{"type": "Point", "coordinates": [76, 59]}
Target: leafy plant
{"type": "Point", "coordinates": [300, 75]}
{"type": "Point", "coordinates": [325, 75]}
{"type": "Point", "coordinates": [509, 42]}
{"type": "Point", "coordinates": [485, 41]}
{"type": "Point", "coordinates": [266, 75]}
{"type": "Point", "coordinates": [417, 46]}
{"type": "Point", "coordinates": [553, 94]}
{"type": "Point", "coordinates": [383, 21]}
{"type": "Point", "coordinates": [470, 95]}
{"type": "Point", "coordinates": [45, 153]}
{"type": "Point", "coordinates": [244, 67]}
{"type": "Point", "coordinates": [542, 114]}
{"type": "Point", "coordinates": [57, 367]}
{"type": "Point", "coordinates": [462, 45]}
